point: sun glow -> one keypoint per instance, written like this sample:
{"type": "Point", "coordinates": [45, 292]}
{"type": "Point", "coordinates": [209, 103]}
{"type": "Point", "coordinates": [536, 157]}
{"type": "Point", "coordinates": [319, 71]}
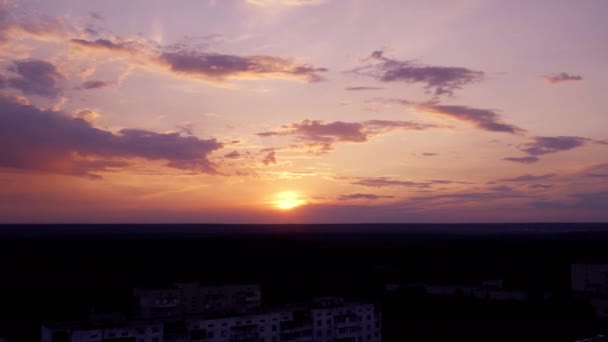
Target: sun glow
{"type": "Point", "coordinates": [287, 200]}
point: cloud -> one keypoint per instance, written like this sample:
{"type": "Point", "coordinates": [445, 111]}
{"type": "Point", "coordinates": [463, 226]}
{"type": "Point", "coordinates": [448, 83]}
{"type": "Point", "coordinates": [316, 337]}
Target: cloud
{"type": "Point", "coordinates": [437, 80]}
{"type": "Point", "coordinates": [540, 186]}
{"type": "Point", "coordinates": [233, 155]}
{"type": "Point", "coordinates": [598, 175]}
{"type": "Point", "coordinates": [485, 196]}
{"type": "Point", "coordinates": [561, 78]}
{"type": "Point", "coordinates": [50, 141]}
{"type": "Point", "coordinates": [362, 88]}
{"type": "Point", "coordinates": [546, 145]}
{"type": "Point", "coordinates": [188, 60]}
{"type": "Point", "coordinates": [485, 119]}
{"type": "Point", "coordinates": [528, 178]}
{"type": "Point", "coordinates": [270, 158]}
{"type": "Point", "coordinates": [95, 84]}
{"type": "Point", "coordinates": [15, 24]}
{"type": "Point", "coordinates": [522, 160]}
{"type": "Point", "coordinates": [218, 67]}
{"type": "Point", "coordinates": [131, 46]}
{"type": "Point", "coordinates": [380, 182]}
{"type": "Point", "coordinates": [429, 154]}
{"type": "Point", "coordinates": [501, 188]}
{"type": "Point", "coordinates": [361, 196]}
{"type": "Point", "coordinates": [88, 115]}
{"type": "Point", "coordinates": [36, 77]}
{"type": "Point", "coordinates": [325, 135]}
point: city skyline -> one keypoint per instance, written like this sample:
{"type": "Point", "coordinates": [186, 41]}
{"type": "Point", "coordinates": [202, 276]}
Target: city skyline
{"type": "Point", "coordinates": [296, 111]}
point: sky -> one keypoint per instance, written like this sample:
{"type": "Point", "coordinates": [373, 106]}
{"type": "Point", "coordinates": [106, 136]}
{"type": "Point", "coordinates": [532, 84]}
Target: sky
{"type": "Point", "coordinates": [303, 111]}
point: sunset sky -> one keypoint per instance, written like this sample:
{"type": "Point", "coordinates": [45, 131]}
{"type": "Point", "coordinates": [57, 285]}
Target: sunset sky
{"type": "Point", "coordinates": [303, 111]}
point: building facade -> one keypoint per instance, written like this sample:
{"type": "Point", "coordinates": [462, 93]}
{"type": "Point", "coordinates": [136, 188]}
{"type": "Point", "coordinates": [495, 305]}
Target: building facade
{"type": "Point", "coordinates": [323, 320]}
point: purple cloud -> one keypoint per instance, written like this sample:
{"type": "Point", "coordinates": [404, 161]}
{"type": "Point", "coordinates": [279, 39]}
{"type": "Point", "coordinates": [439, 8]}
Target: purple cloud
{"type": "Point", "coordinates": [36, 77]}
{"type": "Point", "coordinates": [324, 135]}
{"type": "Point", "coordinates": [217, 66]}
{"type": "Point", "coordinates": [546, 145]}
{"type": "Point", "coordinates": [528, 178]}
{"type": "Point", "coordinates": [362, 88]}
{"type": "Point", "coordinates": [437, 80]}
{"type": "Point", "coordinates": [485, 119]}
{"type": "Point", "coordinates": [522, 160]}
{"type": "Point", "coordinates": [95, 84]}
{"type": "Point", "coordinates": [270, 158]}
{"type": "Point", "coordinates": [50, 141]}
{"type": "Point", "coordinates": [233, 155]}
{"type": "Point", "coordinates": [561, 78]}
{"type": "Point", "coordinates": [132, 47]}
{"type": "Point", "coordinates": [379, 182]}
{"type": "Point", "coordinates": [362, 196]}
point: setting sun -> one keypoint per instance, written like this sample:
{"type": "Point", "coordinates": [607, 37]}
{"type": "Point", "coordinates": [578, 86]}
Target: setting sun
{"type": "Point", "coordinates": [288, 200]}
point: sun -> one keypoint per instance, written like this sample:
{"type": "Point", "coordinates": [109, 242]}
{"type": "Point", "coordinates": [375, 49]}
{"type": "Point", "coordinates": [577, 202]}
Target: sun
{"type": "Point", "coordinates": [287, 200]}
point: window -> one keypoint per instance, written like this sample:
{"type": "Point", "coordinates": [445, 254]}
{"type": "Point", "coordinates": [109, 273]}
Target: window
{"type": "Point", "coordinates": [224, 333]}
{"type": "Point", "coordinates": [319, 322]}
{"type": "Point", "coordinates": [274, 328]}
{"type": "Point", "coordinates": [319, 333]}
{"type": "Point", "coordinates": [155, 339]}
{"type": "Point", "coordinates": [262, 329]}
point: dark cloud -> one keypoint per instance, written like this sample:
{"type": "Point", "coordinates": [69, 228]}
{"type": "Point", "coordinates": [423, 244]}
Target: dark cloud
{"type": "Point", "coordinates": [442, 181]}
{"type": "Point", "coordinates": [362, 88]}
{"type": "Point", "coordinates": [598, 175]}
{"type": "Point", "coordinates": [217, 66]}
{"type": "Point", "coordinates": [232, 155]}
{"type": "Point", "coordinates": [46, 140]}
{"type": "Point", "coordinates": [361, 196]}
{"type": "Point", "coordinates": [187, 59]}
{"type": "Point", "coordinates": [485, 196]}
{"type": "Point", "coordinates": [380, 182]}
{"type": "Point", "coordinates": [437, 80]}
{"type": "Point", "coordinates": [528, 178]}
{"type": "Point", "coordinates": [429, 154]}
{"type": "Point", "coordinates": [546, 145]}
{"type": "Point", "coordinates": [523, 160]}
{"type": "Point", "coordinates": [132, 47]}
{"type": "Point", "coordinates": [485, 119]}
{"type": "Point", "coordinates": [270, 158]}
{"type": "Point", "coordinates": [95, 84]}
{"type": "Point", "coordinates": [324, 135]}
{"type": "Point", "coordinates": [36, 77]}
{"type": "Point", "coordinates": [540, 186]}
{"type": "Point", "coordinates": [501, 188]}
{"type": "Point", "coordinates": [562, 77]}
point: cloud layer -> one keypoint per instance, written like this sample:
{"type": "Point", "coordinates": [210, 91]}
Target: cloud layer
{"type": "Point", "coordinates": [323, 135]}
{"type": "Point", "coordinates": [50, 141]}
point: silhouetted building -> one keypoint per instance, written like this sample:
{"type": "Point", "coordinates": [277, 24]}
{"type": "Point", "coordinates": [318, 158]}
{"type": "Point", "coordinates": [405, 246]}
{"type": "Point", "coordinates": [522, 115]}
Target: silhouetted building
{"type": "Point", "coordinates": [191, 298]}
{"type": "Point", "coordinates": [591, 282]}
{"type": "Point", "coordinates": [327, 319]}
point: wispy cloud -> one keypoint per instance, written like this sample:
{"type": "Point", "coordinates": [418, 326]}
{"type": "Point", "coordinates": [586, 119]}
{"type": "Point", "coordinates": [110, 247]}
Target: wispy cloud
{"type": "Point", "coordinates": [351, 197]}
{"type": "Point", "coordinates": [528, 178]}
{"type": "Point", "coordinates": [437, 80]}
{"type": "Point", "coordinates": [485, 119]}
{"type": "Point", "coordinates": [522, 160]}
{"type": "Point", "coordinates": [562, 77]}
{"type": "Point", "coordinates": [362, 88]}
{"type": "Point", "coordinates": [325, 135]}
{"type": "Point", "coordinates": [380, 182]}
